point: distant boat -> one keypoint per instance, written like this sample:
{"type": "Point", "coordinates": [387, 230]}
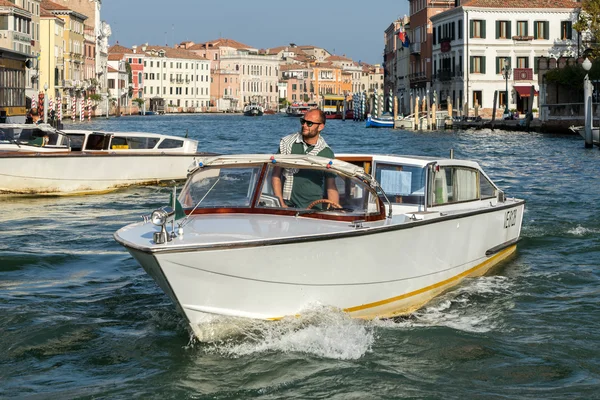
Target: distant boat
{"type": "Point", "coordinates": [253, 110]}
{"type": "Point", "coordinates": [581, 131]}
{"type": "Point", "coordinates": [39, 160]}
{"type": "Point", "coordinates": [380, 122]}
{"type": "Point", "coordinates": [299, 109]}
{"type": "Point", "coordinates": [338, 114]}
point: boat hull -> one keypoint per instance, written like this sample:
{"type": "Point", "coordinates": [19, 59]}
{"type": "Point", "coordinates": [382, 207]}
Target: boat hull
{"type": "Point", "coordinates": [86, 173]}
{"type": "Point", "coordinates": [368, 273]}
{"type": "Point", "coordinates": [595, 134]}
{"type": "Point", "coordinates": [373, 122]}
{"type": "Point", "coordinates": [253, 113]}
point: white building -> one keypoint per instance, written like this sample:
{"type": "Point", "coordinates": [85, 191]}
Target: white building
{"type": "Point", "coordinates": [180, 77]}
{"type": "Point", "coordinates": [473, 42]}
{"type": "Point", "coordinates": [258, 76]}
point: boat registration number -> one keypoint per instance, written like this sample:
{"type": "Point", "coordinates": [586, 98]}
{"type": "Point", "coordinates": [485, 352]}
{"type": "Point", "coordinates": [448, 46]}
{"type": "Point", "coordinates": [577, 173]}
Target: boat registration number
{"type": "Point", "coordinates": [510, 218]}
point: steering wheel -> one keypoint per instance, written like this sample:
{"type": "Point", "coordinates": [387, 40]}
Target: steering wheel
{"type": "Point", "coordinates": [326, 201]}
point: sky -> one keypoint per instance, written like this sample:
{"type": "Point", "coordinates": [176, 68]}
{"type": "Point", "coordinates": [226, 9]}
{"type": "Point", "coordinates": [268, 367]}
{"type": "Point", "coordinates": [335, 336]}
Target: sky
{"type": "Point", "coordinates": [354, 28]}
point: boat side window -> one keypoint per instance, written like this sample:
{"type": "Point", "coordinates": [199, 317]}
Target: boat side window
{"type": "Point", "coordinates": [402, 183]}
{"type": "Point", "coordinates": [220, 187]}
{"type": "Point", "coordinates": [119, 143]}
{"type": "Point", "coordinates": [170, 144]}
{"type": "Point", "coordinates": [454, 185]}
{"type": "Point", "coordinates": [354, 195]}
{"type": "Point", "coordinates": [139, 143]}
{"type": "Point", "coordinates": [97, 141]}
{"type": "Point", "coordinates": [76, 141]}
{"type": "Point", "coordinates": [486, 187]}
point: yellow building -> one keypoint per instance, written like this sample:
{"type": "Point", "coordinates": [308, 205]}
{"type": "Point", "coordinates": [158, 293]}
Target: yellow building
{"type": "Point", "coordinates": [51, 60]}
{"type": "Point", "coordinates": [74, 47]}
{"type": "Point", "coordinates": [328, 80]}
{"type": "Point", "coordinates": [12, 85]}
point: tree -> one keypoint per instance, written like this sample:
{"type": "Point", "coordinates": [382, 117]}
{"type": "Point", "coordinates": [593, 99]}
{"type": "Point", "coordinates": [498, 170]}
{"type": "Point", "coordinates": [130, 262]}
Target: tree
{"type": "Point", "coordinates": [588, 26]}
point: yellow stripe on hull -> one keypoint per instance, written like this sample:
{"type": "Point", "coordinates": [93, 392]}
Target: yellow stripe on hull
{"type": "Point", "coordinates": [410, 302]}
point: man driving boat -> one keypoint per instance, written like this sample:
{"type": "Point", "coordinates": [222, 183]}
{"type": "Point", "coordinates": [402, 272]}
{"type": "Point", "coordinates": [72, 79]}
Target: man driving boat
{"type": "Point", "coordinates": [299, 188]}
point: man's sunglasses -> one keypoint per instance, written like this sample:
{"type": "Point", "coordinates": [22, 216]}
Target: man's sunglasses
{"type": "Point", "coordinates": [309, 123]}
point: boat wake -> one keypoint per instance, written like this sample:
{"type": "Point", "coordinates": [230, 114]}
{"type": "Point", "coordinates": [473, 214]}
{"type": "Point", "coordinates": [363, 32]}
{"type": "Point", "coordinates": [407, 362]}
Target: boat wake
{"type": "Point", "coordinates": [582, 231]}
{"type": "Point", "coordinates": [477, 306]}
{"type": "Point", "coordinates": [319, 331]}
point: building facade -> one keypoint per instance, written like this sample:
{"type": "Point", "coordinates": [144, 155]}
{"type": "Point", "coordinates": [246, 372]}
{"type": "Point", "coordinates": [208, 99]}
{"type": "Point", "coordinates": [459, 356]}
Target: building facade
{"type": "Point", "coordinates": [481, 52]}
{"type": "Point", "coordinates": [178, 76]}
{"type": "Point", "coordinates": [51, 61]}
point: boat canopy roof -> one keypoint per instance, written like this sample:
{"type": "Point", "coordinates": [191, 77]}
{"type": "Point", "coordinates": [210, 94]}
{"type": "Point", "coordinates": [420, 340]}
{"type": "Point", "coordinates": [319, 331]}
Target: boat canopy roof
{"type": "Point", "coordinates": [338, 164]}
{"type": "Point", "coordinates": [291, 160]}
{"type": "Point", "coordinates": [419, 161]}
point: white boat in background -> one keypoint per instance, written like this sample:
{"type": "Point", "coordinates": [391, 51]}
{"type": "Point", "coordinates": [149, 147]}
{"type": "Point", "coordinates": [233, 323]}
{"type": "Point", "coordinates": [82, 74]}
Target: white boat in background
{"type": "Point", "coordinates": [400, 234]}
{"type": "Point", "coordinates": [253, 110]}
{"type": "Point", "coordinates": [581, 131]}
{"type": "Point", "coordinates": [39, 160]}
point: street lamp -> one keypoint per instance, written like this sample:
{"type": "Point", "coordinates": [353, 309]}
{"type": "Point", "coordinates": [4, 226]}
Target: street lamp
{"type": "Point", "coordinates": [45, 103]}
{"type": "Point", "coordinates": [506, 74]}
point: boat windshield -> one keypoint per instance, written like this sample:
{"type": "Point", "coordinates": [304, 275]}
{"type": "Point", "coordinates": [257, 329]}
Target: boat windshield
{"type": "Point", "coordinates": [33, 135]}
{"type": "Point", "coordinates": [226, 187]}
{"type": "Point", "coordinates": [316, 189]}
{"type": "Point", "coordinates": [235, 187]}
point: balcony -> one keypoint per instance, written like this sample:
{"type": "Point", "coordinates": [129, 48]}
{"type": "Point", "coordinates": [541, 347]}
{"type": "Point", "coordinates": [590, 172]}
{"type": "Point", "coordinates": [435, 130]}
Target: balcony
{"type": "Point", "coordinates": [417, 76]}
{"type": "Point", "coordinates": [523, 74]}
{"type": "Point", "coordinates": [415, 48]}
{"type": "Point", "coordinates": [444, 75]}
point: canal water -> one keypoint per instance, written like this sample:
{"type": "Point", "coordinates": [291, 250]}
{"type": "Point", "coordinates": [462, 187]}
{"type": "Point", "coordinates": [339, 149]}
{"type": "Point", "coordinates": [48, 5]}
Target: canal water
{"type": "Point", "coordinates": [79, 318]}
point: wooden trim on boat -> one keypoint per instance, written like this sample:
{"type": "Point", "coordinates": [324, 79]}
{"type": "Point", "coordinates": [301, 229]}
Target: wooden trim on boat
{"type": "Point", "coordinates": [289, 212]}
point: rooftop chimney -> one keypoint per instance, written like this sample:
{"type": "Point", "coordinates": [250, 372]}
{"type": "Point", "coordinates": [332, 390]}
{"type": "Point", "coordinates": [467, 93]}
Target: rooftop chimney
{"type": "Point", "coordinates": [134, 48]}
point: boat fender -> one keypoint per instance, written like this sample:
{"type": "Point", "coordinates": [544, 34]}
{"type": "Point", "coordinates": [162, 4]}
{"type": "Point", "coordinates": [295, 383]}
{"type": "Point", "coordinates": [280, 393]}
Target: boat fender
{"type": "Point", "coordinates": [273, 160]}
{"type": "Point", "coordinates": [329, 164]}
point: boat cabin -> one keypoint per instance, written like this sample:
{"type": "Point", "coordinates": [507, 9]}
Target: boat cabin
{"type": "Point", "coordinates": [367, 187]}
{"type": "Point", "coordinates": [130, 141]}
{"type": "Point", "coordinates": [18, 137]}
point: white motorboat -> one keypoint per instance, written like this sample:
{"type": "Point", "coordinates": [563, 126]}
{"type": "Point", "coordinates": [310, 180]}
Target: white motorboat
{"type": "Point", "coordinates": [253, 110]}
{"type": "Point", "coordinates": [581, 131]}
{"type": "Point", "coordinates": [404, 230]}
{"type": "Point", "coordinates": [39, 160]}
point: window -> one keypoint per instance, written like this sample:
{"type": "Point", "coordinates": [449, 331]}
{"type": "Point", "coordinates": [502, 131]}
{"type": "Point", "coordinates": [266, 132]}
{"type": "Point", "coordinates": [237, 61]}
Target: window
{"type": "Point", "coordinates": [500, 62]}
{"type": "Point", "coordinates": [460, 28]}
{"type": "Point", "coordinates": [456, 184]}
{"type": "Point", "coordinates": [477, 29]}
{"type": "Point", "coordinates": [502, 99]}
{"type": "Point", "coordinates": [477, 64]}
{"type": "Point", "coordinates": [477, 98]}
{"type": "Point", "coordinates": [536, 62]}
{"type": "Point", "coordinates": [522, 28]}
{"type": "Point", "coordinates": [503, 30]}
{"type": "Point", "coordinates": [170, 144]}
{"type": "Point", "coordinates": [522, 62]}
{"type": "Point", "coordinates": [566, 30]}
{"type": "Point", "coordinates": [541, 30]}
{"type": "Point", "coordinates": [402, 183]}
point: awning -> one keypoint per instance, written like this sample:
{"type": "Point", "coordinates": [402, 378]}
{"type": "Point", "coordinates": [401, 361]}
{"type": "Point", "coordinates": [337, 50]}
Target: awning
{"type": "Point", "coordinates": [524, 91]}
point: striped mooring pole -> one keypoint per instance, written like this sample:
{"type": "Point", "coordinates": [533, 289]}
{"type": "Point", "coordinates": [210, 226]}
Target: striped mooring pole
{"type": "Point", "coordinates": [73, 108]}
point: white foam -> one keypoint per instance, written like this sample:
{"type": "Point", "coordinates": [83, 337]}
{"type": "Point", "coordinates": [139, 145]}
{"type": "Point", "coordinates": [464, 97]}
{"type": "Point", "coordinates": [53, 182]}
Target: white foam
{"type": "Point", "coordinates": [318, 331]}
{"type": "Point", "coordinates": [581, 231]}
{"type": "Point", "coordinates": [457, 309]}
